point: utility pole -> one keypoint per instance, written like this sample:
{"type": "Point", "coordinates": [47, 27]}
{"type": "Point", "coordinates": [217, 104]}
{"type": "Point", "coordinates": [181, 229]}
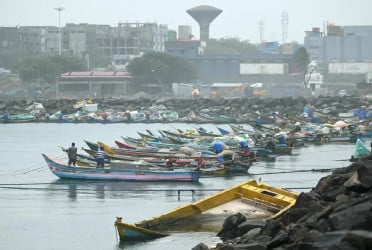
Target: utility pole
{"type": "Point", "coordinates": [261, 26]}
{"type": "Point", "coordinates": [284, 27]}
{"type": "Point", "coordinates": [59, 9]}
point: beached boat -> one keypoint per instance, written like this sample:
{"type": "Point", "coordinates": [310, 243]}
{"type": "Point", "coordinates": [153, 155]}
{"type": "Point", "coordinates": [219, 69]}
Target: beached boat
{"type": "Point", "coordinates": [254, 200]}
{"type": "Point", "coordinates": [118, 172]}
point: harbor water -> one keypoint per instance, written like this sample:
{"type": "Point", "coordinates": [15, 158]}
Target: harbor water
{"type": "Point", "coordinates": [40, 211]}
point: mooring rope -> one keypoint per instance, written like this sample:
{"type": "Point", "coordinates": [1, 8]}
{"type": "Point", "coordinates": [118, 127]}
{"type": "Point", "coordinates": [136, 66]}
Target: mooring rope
{"type": "Point", "coordinates": [17, 187]}
{"type": "Point", "coordinates": [298, 171]}
{"type": "Point", "coordinates": [37, 167]}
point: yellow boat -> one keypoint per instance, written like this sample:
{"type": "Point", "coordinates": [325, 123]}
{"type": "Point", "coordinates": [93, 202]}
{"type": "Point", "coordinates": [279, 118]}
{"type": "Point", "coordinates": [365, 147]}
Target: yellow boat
{"type": "Point", "coordinates": [254, 200]}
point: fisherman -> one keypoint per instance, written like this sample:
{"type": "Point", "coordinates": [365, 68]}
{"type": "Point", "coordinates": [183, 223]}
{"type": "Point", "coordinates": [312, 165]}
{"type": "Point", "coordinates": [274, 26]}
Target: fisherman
{"type": "Point", "coordinates": [291, 142]}
{"type": "Point", "coordinates": [100, 157]}
{"type": "Point", "coordinates": [72, 153]}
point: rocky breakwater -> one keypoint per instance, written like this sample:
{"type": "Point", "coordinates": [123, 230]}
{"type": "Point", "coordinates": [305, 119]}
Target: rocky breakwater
{"type": "Point", "coordinates": [242, 109]}
{"type": "Point", "coordinates": [336, 214]}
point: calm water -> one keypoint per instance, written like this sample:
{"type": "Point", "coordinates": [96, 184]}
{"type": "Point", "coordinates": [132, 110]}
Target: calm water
{"type": "Point", "coordinates": [39, 211]}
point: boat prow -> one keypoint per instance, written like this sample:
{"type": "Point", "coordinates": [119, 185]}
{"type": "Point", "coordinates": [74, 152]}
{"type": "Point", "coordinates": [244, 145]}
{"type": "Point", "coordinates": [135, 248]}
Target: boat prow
{"type": "Point", "coordinates": [133, 232]}
{"type": "Point", "coordinates": [255, 201]}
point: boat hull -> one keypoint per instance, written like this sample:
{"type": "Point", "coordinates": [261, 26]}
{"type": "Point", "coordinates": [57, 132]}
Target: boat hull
{"type": "Point", "coordinates": [62, 170]}
{"type": "Point", "coordinates": [250, 198]}
{"type": "Point", "coordinates": [133, 232]}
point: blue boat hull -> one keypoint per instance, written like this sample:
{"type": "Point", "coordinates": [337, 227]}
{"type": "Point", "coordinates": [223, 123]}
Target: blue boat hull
{"type": "Point", "coordinates": [62, 170]}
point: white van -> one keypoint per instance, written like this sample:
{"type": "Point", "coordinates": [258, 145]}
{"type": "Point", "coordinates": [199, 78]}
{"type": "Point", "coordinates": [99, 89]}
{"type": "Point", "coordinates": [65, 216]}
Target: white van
{"type": "Point", "coordinates": [342, 93]}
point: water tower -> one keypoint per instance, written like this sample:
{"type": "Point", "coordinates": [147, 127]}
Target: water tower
{"type": "Point", "coordinates": [204, 15]}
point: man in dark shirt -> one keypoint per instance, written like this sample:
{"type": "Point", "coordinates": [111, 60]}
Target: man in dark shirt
{"type": "Point", "coordinates": [72, 152]}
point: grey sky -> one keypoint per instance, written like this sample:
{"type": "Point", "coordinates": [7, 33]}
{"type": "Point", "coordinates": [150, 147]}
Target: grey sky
{"type": "Point", "coordinates": [240, 18]}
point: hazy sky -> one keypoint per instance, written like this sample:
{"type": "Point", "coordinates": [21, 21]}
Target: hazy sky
{"type": "Point", "coordinates": [240, 18]}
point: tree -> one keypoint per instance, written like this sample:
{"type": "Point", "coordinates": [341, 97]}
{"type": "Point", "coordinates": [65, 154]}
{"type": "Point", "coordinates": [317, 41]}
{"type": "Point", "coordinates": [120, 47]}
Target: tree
{"type": "Point", "coordinates": [161, 68]}
{"type": "Point", "coordinates": [301, 60]}
{"type": "Point", "coordinates": [45, 69]}
{"type": "Point", "coordinates": [10, 57]}
{"type": "Point", "coordinates": [97, 59]}
{"type": "Point", "coordinates": [230, 46]}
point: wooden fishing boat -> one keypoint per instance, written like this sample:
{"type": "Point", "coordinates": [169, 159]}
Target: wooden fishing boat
{"type": "Point", "coordinates": [162, 162]}
{"type": "Point", "coordinates": [159, 144]}
{"type": "Point", "coordinates": [187, 134]}
{"type": "Point", "coordinates": [120, 172]}
{"type": "Point", "coordinates": [148, 137]}
{"type": "Point", "coordinates": [92, 145]}
{"type": "Point", "coordinates": [179, 140]}
{"type": "Point", "coordinates": [237, 129]}
{"type": "Point", "coordinates": [148, 151]}
{"type": "Point", "coordinates": [124, 145]}
{"type": "Point", "coordinates": [229, 169]}
{"type": "Point", "coordinates": [282, 149]}
{"type": "Point", "coordinates": [204, 132]}
{"type": "Point", "coordinates": [254, 200]}
{"type": "Point", "coordinates": [203, 117]}
{"type": "Point", "coordinates": [133, 141]}
{"type": "Point", "coordinates": [224, 131]}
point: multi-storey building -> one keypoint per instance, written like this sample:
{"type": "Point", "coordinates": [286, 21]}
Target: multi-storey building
{"type": "Point", "coordinates": [39, 40]}
{"type": "Point", "coordinates": [8, 38]}
{"type": "Point", "coordinates": [342, 45]}
{"type": "Point", "coordinates": [117, 44]}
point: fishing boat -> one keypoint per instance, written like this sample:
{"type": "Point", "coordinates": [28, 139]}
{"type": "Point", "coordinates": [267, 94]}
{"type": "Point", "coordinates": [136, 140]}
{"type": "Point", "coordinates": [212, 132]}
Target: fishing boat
{"type": "Point", "coordinates": [237, 129]}
{"type": "Point", "coordinates": [224, 131]}
{"type": "Point", "coordinates": [188, 134]}
{"type": "Point", "coordinates": [254, 200]}
{"type": "Point", "coordinates": [203, 132]}
{"type": "Point", "coordinates": [124, 145]}
{"type": "Point", "coordinates": [120, 172]}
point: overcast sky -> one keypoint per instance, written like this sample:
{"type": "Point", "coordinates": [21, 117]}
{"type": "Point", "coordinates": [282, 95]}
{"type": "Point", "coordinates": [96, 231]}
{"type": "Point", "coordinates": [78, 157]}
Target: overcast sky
{"type": "Point", "coordinates": [240, 18]}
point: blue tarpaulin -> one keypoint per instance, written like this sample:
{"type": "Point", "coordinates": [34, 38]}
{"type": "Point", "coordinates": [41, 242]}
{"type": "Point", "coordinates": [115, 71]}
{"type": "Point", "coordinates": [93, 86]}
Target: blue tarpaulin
{"type": "Point", "coordinates": [361, 113]}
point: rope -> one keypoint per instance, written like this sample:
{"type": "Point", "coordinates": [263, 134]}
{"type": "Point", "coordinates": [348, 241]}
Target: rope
{"type": "Point", "coordinates": [38, 167]}
{"type": "Point", "coordinates": [14, 186]}
{"type": "Point", "coordinates": [298, 171]}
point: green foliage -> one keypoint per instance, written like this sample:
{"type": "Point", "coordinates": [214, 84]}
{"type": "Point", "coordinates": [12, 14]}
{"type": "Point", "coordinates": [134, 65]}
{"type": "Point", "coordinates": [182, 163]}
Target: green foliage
{"type": "Point", "coordinates": [97, 59]}
{"type": "Point", "coordinates": [10, 57]}
{"type": "Point", "coordinates": [45, 69]}
{"type": "Point", "coordinates": [301, 60]}
{"type": "Point", "coordinates": [230, 46]}
{"type": "Point", "coordinates": [156, 67]}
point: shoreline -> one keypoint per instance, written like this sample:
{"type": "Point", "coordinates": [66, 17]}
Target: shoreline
{"type": "Point", "coordinates": [239, 110]}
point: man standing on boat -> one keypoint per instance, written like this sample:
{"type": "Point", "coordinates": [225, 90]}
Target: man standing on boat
{"type": "Point", "coordinates": [100, 157]}
{"type": "Point", "coordinates": [72, 152]}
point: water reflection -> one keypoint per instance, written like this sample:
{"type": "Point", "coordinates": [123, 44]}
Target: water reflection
{"type": "Point", "coordinates": [120, 190]}
{"type": "Point", "coordinates": [174, 241]}
{"type": "Point", "coordinates": [72, 192]}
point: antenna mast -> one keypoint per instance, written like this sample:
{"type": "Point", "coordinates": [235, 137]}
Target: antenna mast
{"type": "Point", "coordinates": [261, 26]}
{"type": "Point", "coordinates": [284, 27]}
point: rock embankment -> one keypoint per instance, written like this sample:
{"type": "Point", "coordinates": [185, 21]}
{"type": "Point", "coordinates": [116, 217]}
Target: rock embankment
{"type": "Point", "coordinates": [241, 109]}
{"type": "Point", "coordinates": [336, 214]}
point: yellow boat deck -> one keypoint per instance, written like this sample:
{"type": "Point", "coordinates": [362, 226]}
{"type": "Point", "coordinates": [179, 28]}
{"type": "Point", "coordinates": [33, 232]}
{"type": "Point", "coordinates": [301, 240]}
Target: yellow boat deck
{"type": "Point", "coordinates": [249, 198]}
